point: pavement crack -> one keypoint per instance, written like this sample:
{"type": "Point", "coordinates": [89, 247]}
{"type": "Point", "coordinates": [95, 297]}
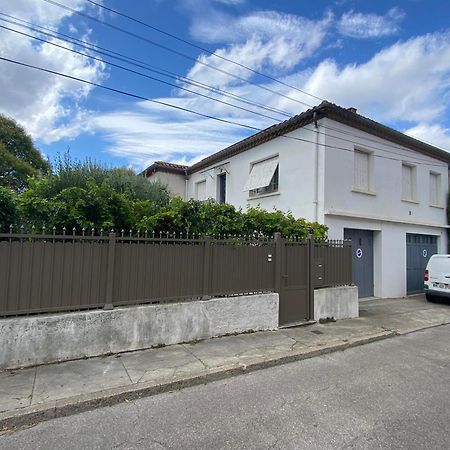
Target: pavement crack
{"type": "Point", "coordinates": [195, 356]}
{"type": "Point", "coordinates": [126, 371]}
{"type": "Point", "coordinates": [34, 384]}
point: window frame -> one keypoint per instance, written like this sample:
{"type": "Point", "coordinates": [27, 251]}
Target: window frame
{"type": "Point", "coordinates": [273, 187]}
{"type": "Point", "coordinates": [413, 169]}
{"type": "Point", "coordinates": [196, 186]}
{"type": "Point", "coordinates": [438, 179]}
{"type": "Point", "coordinates": [359, 188]}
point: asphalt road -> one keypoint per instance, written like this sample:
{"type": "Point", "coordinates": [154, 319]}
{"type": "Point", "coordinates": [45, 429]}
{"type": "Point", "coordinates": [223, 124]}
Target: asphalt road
{"type": "Point", "coordinates": [392, 394]}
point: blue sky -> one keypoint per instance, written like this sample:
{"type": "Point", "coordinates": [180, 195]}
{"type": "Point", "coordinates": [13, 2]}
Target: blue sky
{"type": "Point", "coordinates": [391, 60]}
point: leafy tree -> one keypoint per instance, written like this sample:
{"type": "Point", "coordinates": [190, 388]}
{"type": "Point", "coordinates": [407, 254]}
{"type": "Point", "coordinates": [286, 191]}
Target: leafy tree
{"type": "Point", "coordinates": [88, 194]}
{"type": "Point", "coordinates": [8, 209]}
{"type": "Point", "coordinates": [19, 159]}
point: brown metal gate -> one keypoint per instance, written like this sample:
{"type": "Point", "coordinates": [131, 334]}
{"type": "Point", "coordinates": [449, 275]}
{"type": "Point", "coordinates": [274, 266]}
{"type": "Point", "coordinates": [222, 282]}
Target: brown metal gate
{"type": "Point", "coordinates": [304, 266]}
{"type": "Point", "coordinates": [294, 285]}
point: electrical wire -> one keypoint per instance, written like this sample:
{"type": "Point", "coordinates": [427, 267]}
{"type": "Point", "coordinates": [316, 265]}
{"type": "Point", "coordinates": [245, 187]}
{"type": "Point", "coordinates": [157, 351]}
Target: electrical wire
{"type": "Point", "coordinates": [86, 45]}
{"type": "Point", "coordinates": [128, 94]}
{"type": "Point", "coordinates": [176, 52]}
{"type": "Point", "coordinates": [132, 61]}
{"type": "Point", "coordinates": [203, 49]}
{"type": "Point", "coordinates": [315, 131]}
{"type": "Point", "coordinates": [139, 97]}
{"type": "Point", "coordinates": [86, 55]}
{"type": "Point", "coordinates": [194, 59]}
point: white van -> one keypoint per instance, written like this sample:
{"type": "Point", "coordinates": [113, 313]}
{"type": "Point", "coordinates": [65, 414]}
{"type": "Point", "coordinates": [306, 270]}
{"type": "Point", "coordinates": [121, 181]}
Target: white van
{"type": "Point", "coordinates": [437, 277]}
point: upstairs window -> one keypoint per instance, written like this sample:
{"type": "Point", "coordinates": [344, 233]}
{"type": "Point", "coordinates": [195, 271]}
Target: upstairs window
{"type": "Point", "coordinates": [263, 177]}
{"type": "Point", "coordinates": [408, 182]}
{"type": "Point", "coordinates": [361, 173]}
{"type": "Point", "coordinates": [435, 189]}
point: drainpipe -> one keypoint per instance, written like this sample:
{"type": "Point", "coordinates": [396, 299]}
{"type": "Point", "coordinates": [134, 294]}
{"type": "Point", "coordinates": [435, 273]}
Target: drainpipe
{"type": "Point", "coordinates": [316, 169]}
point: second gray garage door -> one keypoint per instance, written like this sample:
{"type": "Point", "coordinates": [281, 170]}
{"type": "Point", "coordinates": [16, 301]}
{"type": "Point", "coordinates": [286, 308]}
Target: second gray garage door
{"type": "Point", "coordinates": [362, 260]}
{"type": "Point", "coordinates": [419, 248]}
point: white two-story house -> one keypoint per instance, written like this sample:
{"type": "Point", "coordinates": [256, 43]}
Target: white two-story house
{"type": "Point", "coordinates": [367, 182]}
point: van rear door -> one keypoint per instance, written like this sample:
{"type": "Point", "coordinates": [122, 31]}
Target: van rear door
{"type": "Point", "coordinates": [439, 272]}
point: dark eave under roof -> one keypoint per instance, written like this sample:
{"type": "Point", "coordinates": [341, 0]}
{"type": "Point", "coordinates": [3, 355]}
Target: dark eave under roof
{"type": "Point", "coordinates": [334, 112]}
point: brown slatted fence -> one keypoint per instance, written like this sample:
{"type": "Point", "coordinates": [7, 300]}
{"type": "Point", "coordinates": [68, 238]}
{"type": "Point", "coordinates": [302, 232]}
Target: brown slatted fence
{"type": "Point", "coordinates": [50, 273]}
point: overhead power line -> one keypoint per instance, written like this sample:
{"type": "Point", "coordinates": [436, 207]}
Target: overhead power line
{"type": "Point", "coordinates": [132, 61]}
{"type": "Point", "coordinates": [203, 49]}
{"type": "Point", "coordinates": [169, 105]}
{"type": "Point", "coordinates": [110, 53]}
{"type": "Point", "coordinates": [135, 72]}
{"type": "Point", "coordinates": [128, 94]}
{"type": "Point", "coordinates": [176, 52]}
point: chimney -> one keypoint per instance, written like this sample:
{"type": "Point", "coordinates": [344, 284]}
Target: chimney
{"type": "Point", "coordinates": [352, 109]}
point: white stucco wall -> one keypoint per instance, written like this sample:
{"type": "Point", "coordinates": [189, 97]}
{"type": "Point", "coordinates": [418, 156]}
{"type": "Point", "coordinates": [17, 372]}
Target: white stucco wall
{"type": "Point", "coordinates": [384, 212]}
{"type": "Point", "coordinates": [386, 203]}
{"type": "Point", "coordinates": [175, 183]}
{"type": "Point", "coordinates": [297, 176]}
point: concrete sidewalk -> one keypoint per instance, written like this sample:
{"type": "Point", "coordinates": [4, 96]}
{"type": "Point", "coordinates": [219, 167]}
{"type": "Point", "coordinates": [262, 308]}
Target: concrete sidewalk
{"type": "Point", "coordinates": [34, 394]}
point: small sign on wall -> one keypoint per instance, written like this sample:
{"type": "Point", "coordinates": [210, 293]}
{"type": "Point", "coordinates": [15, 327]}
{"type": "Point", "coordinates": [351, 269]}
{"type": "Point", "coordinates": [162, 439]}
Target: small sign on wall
{"type": "Point", "coordinates": [359, 253]}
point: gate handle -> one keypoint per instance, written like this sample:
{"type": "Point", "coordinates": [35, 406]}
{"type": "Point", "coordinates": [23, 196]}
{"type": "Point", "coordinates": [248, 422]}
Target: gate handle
{"type": "Point", "coordinates": [284, 276]}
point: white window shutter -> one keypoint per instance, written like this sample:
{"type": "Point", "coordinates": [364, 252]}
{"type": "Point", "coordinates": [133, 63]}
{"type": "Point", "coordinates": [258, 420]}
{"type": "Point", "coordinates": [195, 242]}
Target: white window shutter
{"type": "Point", "coordinates": [361, 168]}
{"type": "Point", "coordinates": [200, 190]}
{"type": "Point", "coordinates": [407, 182]}
{"type": "Point", "coordinates": [261, 174]}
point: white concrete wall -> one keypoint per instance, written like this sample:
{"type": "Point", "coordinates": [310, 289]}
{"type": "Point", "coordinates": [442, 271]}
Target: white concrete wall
{"type": "Point", "coordinates": [175, 183]}
{"type": "Point", "coordinates": [336, 303]}
{"type": "Point", "coordinates": [384, 212]}
{"type": "Point", "coordinates": [297, 176]}
{"type": "Point", "coordinates": [386, 203]}
{"type": "Point", "coordinates": [42, 339]}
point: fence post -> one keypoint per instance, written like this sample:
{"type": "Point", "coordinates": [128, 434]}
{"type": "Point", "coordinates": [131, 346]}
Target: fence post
{"type": "Point", "coordinates": [110, 271]}
{"type": "Point", "coordinates": [278, 260]}
{"type": "Point", "coordinates": [206, 268]}
{"type": "Point", "coordinates": [310, 241]}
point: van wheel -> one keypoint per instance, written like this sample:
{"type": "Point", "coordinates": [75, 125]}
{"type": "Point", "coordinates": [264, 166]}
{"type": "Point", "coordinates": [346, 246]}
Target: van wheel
{"type": "Point", "coordinates": [430, 298]}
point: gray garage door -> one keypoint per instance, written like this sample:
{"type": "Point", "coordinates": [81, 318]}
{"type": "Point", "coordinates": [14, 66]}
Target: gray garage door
{"type": "Point", "coordinates": [419, 248]}
{"type": "Point", "coordinates": [362, 260]}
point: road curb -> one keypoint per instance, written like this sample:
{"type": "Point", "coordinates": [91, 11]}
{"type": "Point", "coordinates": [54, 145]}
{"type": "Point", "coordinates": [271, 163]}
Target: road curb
{"type": "Point", "coordinates": [32, 415]}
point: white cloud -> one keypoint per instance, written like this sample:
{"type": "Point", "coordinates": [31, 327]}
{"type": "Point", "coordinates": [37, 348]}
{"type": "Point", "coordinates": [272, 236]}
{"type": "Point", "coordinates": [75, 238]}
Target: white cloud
{"type": "Point", "coordinates": [231, 2]}
{"type": "Point", "coordinates": [46, 105]}
{"type": "Point", "coordinates": [269, 41]}
{"type": "Point", "coordinates": [434, 134]}
{"type": "Point", "coordinates": [405, 82]}
{"type": "Point", "coordinates": [147, 133]}
{"type": "Point", "coordinates": [364, 26]}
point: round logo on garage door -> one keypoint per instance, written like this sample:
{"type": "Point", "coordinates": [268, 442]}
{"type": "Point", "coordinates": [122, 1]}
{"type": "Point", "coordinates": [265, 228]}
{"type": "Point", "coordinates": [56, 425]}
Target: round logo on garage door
{"type": "Point", "coordinates": [424, 252]}
{"type": "Point", "coordinates": [359, 253]}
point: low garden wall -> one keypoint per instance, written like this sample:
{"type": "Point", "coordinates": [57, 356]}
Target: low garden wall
{"type": "Point", "coordinates": [42, 339]}
{"type": "Point", "coordinates": [336, 303]}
